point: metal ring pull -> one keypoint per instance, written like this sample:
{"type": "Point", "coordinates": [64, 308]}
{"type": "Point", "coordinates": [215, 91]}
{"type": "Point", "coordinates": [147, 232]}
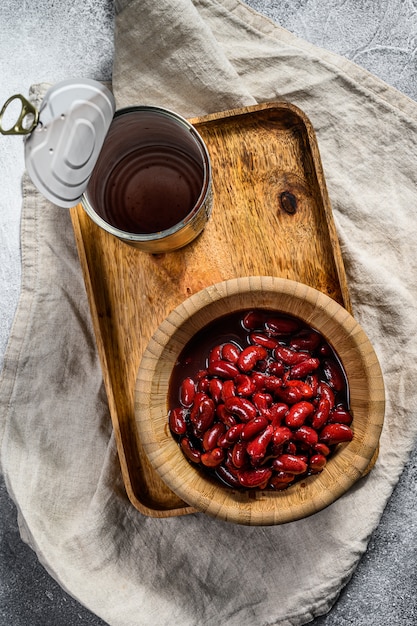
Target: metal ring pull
{"type": "Point", "coordinates": [26, 121]}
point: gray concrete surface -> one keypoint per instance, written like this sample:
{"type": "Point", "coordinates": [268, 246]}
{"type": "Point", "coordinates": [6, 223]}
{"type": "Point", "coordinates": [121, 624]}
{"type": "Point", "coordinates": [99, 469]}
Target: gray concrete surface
{"type": "Point", "coordinates": [50, 40]}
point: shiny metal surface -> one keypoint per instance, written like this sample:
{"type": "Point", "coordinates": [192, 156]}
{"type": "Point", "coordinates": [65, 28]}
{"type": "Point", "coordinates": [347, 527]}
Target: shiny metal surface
{"type": "Point", "coordinates": [62, 150]}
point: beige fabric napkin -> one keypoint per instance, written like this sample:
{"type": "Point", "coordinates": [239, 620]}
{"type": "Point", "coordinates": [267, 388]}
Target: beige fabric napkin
{"type": "Point", "coordinates": [58, 454]}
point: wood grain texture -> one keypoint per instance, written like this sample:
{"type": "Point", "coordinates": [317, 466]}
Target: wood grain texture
{"type": "Point", "coordinates": [257, 153]}
{"type": "Point", "coordinates": [366, 389]}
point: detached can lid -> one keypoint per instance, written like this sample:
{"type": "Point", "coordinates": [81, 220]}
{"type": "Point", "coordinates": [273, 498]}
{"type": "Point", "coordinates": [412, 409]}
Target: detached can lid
{"type": "Point", "coordinates": [62, 150]}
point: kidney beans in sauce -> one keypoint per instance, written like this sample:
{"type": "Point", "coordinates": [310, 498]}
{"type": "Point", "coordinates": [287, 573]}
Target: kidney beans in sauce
{"type": "Point", "coordinates": [259, 393]}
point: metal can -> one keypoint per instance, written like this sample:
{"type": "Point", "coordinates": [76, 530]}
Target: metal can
{"type": "Point", "coordinates": [141, 173]}
{"type": "Point", "coordinates": [151, 186]}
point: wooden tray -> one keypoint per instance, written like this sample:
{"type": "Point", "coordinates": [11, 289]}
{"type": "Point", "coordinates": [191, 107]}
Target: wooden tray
{"type": "Point", "coordinates": [258, 153]}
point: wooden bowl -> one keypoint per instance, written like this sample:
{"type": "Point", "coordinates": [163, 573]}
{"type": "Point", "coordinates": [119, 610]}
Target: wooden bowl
{"type": "Point", "coordinates": [367, 402]}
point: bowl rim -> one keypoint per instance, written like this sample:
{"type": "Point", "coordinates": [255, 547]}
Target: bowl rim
{"type": "Point", "coordinates": [349, 463]}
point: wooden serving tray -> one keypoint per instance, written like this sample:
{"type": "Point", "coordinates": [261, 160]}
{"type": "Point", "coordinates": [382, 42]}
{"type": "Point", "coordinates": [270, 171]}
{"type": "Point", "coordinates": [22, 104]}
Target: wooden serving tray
{"type": "Point", "coordinates": [271, 216]}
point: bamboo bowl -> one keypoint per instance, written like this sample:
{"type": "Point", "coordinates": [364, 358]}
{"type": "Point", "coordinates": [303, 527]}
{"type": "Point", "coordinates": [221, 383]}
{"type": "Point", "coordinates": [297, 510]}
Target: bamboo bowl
{"type": "Point", "coordinates": [347, 465]}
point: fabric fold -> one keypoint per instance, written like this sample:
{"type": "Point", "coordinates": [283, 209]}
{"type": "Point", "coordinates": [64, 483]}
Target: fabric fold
{"type": "Point", "coordinates": [180, 46]}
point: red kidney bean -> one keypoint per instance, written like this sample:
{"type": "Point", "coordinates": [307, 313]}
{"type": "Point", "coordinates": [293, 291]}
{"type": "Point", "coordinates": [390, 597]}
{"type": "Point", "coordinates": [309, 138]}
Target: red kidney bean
{"type": "Point", "coordinates": [285, 477]}
{"type": "Point", "coordinates": [321, 414]}
{"type": "Point", "coordinates": [261, 400]}
{"type": "Point", "coordinates": [303, 388]}
{"type": "Point", "coordinates": [290, 448]}
{"type": "Point", "coordinates": [178, 421]}
{"type": "Point", "coordinates": [256, 448]}
{"type": "Point", "coordinates": [290, 463]}
{"type": "Point", "coordinates": [301, 370]}
{"type": "Point", "coordinates": [234, 432]}
{"type": "Point", "coordinates": [239, 455]}
{"type": "Point", "coordinates": [221, 412]}
{"type": "Point", "coordinates": [282, 325]}
{"type": "Point", "coordinates": [317, 463]}
{"type": "Point", "coordinates": [313, 382]}
{"type": "Point", "coordinates": [215, 389]}
{"type": "Point", "coordinates": [306, 435]}
{"type": "Point", "coordinates": [281, 435]}
{"type": "Point", "coordinates": [230, 352]}
{"type": "Point", "coordinates": [190, 452]}
{"type": "Point", "coordinates": [273, 384]}
{"type": "Point", "coordinates": [306, 340]}
{"type": "Point", "coordinates": [187, 392]}
{"type": "Point", "coordinates": [252, 320]}
{"type": "Point", "coordinates": [290, 395]}
{"type": "Point", "coordinates": [204, 416]}
{"type": "Point", "coordinates": [228, 389]}
{"type": "Point", "coordinates": [228, 459]}
{"type": "Point", "coordinates": [276, 413]}
{"type": "Point", "coordinates": [333, 374]}
{"type": "Point", "coordinates": [250, 356]}
{"type": "Point", "coordinates": [298, 414]}
{"type": "Point", "coordinates": [281, 480]}
{"type": "Point", "coordinates": [289, 356]}
{"type": "Point", "coordinates": [212, 435]}
{"type": "Point", "coordinates": [213, 458]}
{"type": "Point", "coordinates": [223, 369]}
{"type": "Point", "coordinates": [253, 427]}
{"type": "Point", "coordinates": [223, 441]}
{"type": "Point", "coordinates": [228, 476]}
{"type": "Point", "coordinates": [198, 398]}
{"type": "Point", "coordinates": [245, 386]}
{"type": "Point", "coordinates": [215, 354]}
{"type": "Point", "coordinates": [263, 340]}
{"type": "Point", "coordinates": [325, 350]}
{"type": "Point", "coordinates": [277, 368]}
{"type": "Point", "coordinates": [340, 415]}
{"type": "Point", "coordinates": [224, 416]}
{"type": "Point", "coordinates": [254, 477]}
{"type": "Point", "coordinates": [332, 434]}
{"type": "Point", "coordinates": [293, 391]}
{"type": "Point", "coordinates": [241, 407]}
{"type": "Point", "coordinates": [203, 384]}
{"type": "Point", "coordinates": [296, 383]}
{"type": "Point", "coordinates": [322, 448]}
{"type": "Point", "coordinates": [200, 374]}
{"type": "Point", "coordinates": [258, 379]}
{"type": "Point", "coordinates": [324, 391]}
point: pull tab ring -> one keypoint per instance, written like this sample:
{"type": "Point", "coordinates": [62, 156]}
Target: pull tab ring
{"type": "Point", "coordinates": [26, 121]}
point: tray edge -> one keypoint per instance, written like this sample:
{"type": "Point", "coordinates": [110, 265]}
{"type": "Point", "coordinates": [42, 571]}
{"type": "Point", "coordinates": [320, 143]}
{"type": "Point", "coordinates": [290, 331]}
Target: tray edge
{"type": "Point", "coordinates": [124, 466]}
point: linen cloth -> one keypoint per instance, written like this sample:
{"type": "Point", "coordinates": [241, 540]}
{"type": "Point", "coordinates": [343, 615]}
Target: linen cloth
{"type": "Point", "coordinates": [58, 453]}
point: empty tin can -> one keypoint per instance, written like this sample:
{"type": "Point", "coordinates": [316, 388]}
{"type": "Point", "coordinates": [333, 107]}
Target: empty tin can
{"type": "Point", "coordinates": [141, 173]}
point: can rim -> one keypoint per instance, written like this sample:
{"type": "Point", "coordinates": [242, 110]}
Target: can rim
{"type": "Point", "coordinates": [204, 194]}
